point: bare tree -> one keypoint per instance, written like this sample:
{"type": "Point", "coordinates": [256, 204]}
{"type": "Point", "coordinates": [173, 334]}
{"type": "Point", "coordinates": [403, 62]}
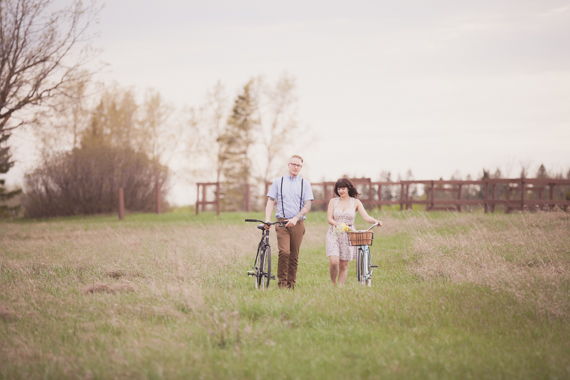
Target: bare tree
{"type": "Point", "coordinates": [40, 51]}
{"type": "Point", "coordinates": [62, 127]}
{"type": "Point", "coordinates": [205, 127]}
{"type": "Point", "coordinates": [160, 134]}
{"type": "Point", "coordinates": [278, 121]}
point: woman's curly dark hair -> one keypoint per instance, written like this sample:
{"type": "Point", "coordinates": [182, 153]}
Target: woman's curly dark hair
{"type": "Point", "coordinates": [345, 182]}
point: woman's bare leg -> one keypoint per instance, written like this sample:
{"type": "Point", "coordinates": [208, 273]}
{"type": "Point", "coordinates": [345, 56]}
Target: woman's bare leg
{"type": "Point", "coordinates": [342, 272]}
{"type": "Point", "coordinates": [333, 268]}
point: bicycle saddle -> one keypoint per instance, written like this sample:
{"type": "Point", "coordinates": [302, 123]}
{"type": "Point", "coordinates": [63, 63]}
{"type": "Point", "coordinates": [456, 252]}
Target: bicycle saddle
{"type": "Point", "coordinates": [261, 226]}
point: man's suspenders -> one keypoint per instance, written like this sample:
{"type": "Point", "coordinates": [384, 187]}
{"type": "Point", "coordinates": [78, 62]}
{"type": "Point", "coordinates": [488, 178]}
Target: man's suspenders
{"type": "Point", "coordinates": [300, 202]}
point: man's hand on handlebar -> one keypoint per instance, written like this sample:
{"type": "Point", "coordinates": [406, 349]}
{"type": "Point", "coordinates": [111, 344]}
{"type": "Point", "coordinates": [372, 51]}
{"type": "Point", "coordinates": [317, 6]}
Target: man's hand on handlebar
{"type": "Point", "coordinates": [267, 224]}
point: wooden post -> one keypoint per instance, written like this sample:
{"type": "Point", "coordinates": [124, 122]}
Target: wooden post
{"type": "Point", "coordinates": [158, 198]}
{"type": "Point", "coordinates": [486, 204]}
{"type": "Point", "coordinates": [247, 197]}
{"type": "Point", "coordinates": [121, 204]}
{"type": "Point", "coordinates": [432, 193]}
{"type": "Point", "coordinates": [371, 205]}
{"type": "Point", "coordinates": [197, 198]}
{"type": "Point", "coordinates": [204, 195]}
{"type": "Point", "coordinates": [508, 195]}
{"type": "Point", "coordinates": [217, 198]}
{"type": "Point", "coordinates": [401, 197]}
{"type": "Point", "coordinates": [523, 191]}
{"type": "Point", "coordinates": [459, 188]}
{"type": "Point", "coordinates": [493, 194]}
{"type": "Point", "coordinates": [379, 197]}
{"type": "Point", "coordinates": [551, 188]}
{"type": "Point", "coordinates": [408, 206]}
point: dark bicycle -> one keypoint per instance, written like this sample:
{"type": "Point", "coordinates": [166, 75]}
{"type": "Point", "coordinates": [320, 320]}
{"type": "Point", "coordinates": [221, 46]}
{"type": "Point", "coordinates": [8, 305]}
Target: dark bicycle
{"type": "Point", "coordinates": [262, 266]}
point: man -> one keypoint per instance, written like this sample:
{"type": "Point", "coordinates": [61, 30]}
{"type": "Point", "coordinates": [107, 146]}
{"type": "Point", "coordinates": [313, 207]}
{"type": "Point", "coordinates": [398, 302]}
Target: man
{"type": "Point", "coordinates": [294, 197]}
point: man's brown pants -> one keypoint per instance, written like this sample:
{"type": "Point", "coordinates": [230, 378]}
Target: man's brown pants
{"type": "Point", "coordinates": [289, 241]}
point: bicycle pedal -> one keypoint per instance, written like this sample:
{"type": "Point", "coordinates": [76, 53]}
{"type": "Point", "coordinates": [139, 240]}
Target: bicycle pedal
{"type": "Point", "coordinates": [374, 266]}
{"type": "Point", "coordinates": [272, 277]}
{"type": "Point", "coordinates": [249, 273]}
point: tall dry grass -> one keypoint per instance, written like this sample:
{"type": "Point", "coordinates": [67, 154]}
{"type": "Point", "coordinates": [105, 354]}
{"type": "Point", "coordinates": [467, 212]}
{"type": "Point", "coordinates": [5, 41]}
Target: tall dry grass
{"type": "Point", "coordinates": [525, 254]}
{"type": "Point", "coordinates": [172, 271]}
{"type": "Point", "coordinates": [150, 298]}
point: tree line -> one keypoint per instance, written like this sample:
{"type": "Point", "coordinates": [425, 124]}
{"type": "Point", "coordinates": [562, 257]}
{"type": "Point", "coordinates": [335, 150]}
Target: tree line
{"type": "Point", "coordinates": [474, 191]}
{"type": "Point", "coordinates": [96, 138]}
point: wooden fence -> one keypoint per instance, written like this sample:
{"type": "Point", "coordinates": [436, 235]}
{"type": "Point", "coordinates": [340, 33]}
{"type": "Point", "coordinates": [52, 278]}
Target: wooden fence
{"type": "Point", "coordinates": [515, 198]}
{"type": "Point", "coordinates": [488, 198]}
{"type": "Point", "coordinates": [515, 194]}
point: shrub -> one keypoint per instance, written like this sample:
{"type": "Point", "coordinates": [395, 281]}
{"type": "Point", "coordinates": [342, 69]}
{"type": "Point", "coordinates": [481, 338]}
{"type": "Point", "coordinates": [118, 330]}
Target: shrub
{"type": "Point", "coordinates": [86, 181]}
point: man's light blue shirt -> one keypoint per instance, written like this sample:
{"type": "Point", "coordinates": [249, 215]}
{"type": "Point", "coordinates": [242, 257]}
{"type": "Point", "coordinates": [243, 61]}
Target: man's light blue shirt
{"type": "Point", "coordinates": [291, 197]}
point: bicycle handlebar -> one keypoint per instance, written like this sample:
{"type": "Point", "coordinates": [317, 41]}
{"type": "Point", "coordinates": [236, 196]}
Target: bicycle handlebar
{"type": "Point", "coordinates": [372, 226]}
{"type": "Point", "coordinates": [266, 223]}
{"type": "Point", "coordinates": [368, 229]}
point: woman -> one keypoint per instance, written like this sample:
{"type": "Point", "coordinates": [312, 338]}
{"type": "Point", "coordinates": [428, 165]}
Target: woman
{"type": "Point", "coordinates": [343, 210]}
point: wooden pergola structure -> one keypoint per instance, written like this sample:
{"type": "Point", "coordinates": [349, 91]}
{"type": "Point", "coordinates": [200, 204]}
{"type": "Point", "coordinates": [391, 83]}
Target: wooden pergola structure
{"type": "Point", "coordinates": [204, 202]}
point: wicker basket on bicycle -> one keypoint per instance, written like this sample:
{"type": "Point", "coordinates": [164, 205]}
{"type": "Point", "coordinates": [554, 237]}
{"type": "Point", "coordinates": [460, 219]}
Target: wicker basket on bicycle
{"type": "Point", "coordinates": [360, 237]}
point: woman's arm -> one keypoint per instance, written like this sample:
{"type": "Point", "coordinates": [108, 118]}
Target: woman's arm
{"type": "Point", "coordinates": [364, 214]}
{"type": "Point", "coordinates": [330, 213]}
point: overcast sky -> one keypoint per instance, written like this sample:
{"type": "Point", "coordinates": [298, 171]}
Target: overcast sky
{"type": "Point", "coordinates": [437, 87]}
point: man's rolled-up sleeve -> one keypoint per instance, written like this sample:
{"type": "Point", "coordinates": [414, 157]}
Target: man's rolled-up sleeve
{"type": "Point", "coordinates": [273, 190]}
{"type": "Point", "coordinates": [309, 192]}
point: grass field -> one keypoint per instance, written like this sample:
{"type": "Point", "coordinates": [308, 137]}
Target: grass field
{"type": "Point", "coordinates": [456, 296]}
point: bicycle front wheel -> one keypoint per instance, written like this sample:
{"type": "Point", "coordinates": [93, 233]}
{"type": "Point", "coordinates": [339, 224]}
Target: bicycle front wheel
{"type": "Point", "coordinates": [360, 265]}
{"type": "Point", "coordinates": [266, 268]}
{"type": "Point", "coordinates": [257, 266]}
{"type": "Point", "coordinates": [367, 266]}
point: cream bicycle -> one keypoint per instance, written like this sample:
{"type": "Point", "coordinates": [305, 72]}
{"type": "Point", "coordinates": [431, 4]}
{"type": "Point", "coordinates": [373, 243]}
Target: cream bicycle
{"type": "Point", "coordinates": [363, 240]}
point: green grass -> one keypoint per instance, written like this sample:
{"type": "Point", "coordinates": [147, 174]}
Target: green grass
{"type": "Point", "coordinates": [178, 305]}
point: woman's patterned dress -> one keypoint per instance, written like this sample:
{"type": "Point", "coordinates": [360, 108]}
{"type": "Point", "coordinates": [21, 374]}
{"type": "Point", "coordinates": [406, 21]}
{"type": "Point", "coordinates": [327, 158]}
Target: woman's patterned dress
{"type": "Point", "coordinates": [337, 244]}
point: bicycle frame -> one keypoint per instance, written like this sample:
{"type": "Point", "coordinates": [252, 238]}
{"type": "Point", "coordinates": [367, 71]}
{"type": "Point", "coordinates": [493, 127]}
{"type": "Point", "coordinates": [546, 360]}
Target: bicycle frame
{"type": "Point", "coordinates": [262, 244]}
{"type": "Point", "coordinates": [262, 264]}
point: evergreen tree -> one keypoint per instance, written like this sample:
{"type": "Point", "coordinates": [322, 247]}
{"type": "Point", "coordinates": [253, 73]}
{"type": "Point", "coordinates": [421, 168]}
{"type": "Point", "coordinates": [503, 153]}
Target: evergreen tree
{"type": "Point", "coordinates": [5, 165]}
{"type": "Point", "coordinates": [542, 173]}
{"type": "Point", "coordinates": [235, 149]}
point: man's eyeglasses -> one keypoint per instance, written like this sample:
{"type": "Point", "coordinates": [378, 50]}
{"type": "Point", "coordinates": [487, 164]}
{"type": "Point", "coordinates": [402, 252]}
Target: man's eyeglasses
{"type": "Point", "coordinates": [296, 165]}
